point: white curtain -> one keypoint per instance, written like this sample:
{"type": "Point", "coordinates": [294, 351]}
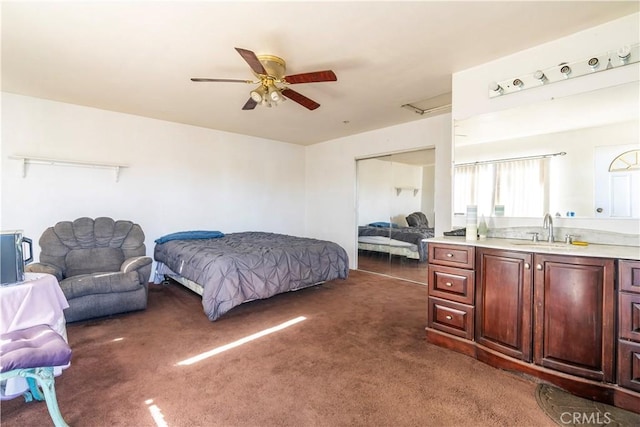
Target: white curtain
{"type": "Point", "coordinates": [519, 185]}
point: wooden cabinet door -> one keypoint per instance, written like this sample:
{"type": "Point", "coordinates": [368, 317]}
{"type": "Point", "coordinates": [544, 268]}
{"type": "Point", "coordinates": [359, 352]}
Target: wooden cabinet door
{"type": "Point", "coordinates": [503, 302]}
{"type": "Point", "coordinates": [574, 315]}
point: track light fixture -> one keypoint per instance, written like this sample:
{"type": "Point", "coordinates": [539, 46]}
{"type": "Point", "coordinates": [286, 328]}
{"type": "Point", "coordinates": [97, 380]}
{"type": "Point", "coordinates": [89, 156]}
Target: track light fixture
{"type": "Point", "coordinates": [613, 59]}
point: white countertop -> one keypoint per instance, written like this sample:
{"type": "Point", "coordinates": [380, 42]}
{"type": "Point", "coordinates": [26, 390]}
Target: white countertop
{"type": "Point", "coordinates": [558, 248]}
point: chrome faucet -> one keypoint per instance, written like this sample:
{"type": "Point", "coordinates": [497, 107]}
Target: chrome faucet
{"type": "Point", "coordinates": [548, 223]}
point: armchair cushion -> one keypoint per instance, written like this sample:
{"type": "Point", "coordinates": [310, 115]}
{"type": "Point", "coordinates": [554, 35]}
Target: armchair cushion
{"type": "Point", "coordinates": [91, 260]}
{"type": "Point", "coordinates": [104, 283]}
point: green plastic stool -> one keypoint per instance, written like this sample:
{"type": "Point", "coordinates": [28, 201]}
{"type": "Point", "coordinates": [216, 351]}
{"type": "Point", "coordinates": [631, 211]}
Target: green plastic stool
{"type": "Point", "coordinates": [32, 353]}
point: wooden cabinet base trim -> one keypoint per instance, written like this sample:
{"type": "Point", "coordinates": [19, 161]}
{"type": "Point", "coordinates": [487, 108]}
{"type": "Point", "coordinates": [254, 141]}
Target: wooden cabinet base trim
{"type": "Point", "coordinates": [451, 342]}
{"type": "Point", "coordinates": [610, 394]}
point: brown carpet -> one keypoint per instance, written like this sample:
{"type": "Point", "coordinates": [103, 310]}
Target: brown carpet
{"type": "Point", "coordinates": [573, 411]}
{"type": "Point", "coordinates": [359, 359]}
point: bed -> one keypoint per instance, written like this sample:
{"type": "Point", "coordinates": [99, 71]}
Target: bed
{"type": "Point", "coordinates": [230, 269]}
{"type": "Point", "coordinates": [410, 242]}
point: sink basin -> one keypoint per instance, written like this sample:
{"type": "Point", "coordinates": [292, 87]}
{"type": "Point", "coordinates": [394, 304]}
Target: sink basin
{"type": "Point", "coordinates": [543, 244]}
{"type": "Point", "coordinates": [546, 245]}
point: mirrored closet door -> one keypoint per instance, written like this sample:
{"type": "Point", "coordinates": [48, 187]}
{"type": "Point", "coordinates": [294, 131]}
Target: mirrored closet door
{"type": "Point", "coordinates": [396, 213]}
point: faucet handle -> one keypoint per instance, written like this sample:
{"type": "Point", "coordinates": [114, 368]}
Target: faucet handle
{"type": "Point", "coordinates": [534, 238]}
{"type": "Point", "coordinates": [568, 238]}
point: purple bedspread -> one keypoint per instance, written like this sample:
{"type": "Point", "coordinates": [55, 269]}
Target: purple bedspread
{"type": "Point", "coordinates": [241, 267]}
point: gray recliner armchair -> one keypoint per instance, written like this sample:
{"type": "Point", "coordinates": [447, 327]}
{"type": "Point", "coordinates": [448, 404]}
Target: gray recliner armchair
{"type": "Point", "coordinates": [101, 265]}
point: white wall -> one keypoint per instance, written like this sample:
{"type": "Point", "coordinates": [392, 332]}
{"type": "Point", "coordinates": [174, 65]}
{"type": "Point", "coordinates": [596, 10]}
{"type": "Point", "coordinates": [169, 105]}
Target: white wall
{"type": "Point", "coordinates": [331, 211]}
{"type": "Point", "coordinates": [179, 177]}
{"type": "Point", "coordinates": [428, 189]}
{"type": "Point", "coordinates": [374, 190]}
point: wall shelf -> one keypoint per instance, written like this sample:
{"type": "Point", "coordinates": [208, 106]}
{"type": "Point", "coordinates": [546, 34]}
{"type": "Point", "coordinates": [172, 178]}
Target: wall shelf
{"type": "Point", "coordinates": [413, 189]}
{"type": "Point", "coordinates": [32, 160]}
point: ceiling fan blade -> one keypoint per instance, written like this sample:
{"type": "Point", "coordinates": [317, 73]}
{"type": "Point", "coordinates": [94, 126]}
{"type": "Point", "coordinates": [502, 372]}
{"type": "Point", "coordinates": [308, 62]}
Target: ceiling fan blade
{"type": "Point", "coordinates": [300, 99]}
{"type": "Point", "coordinates": [252, 60]}
{"type": "Point", "coordinates": [196, 79]}
{"type": "Point", "coordinates": [250, 104]}
{"type": "Point", "coordinates": [313, 77]}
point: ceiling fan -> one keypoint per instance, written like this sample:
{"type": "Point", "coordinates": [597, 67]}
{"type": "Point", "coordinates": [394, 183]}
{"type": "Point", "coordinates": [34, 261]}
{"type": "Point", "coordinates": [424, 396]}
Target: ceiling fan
{"type": "Point", "coordinates": [270, 71]}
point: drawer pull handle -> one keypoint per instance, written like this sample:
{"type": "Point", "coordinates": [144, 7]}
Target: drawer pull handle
{"type": "Point", "coordinates": [449, 255]}
{"type": "Point", "coordinates": [539, 267]}
{"type": "Point", "coordinates": [448, 317]}
{"type": "Point", "coordinates": [527, 266]}
{"type": "Point", "coordinates": [448, 284]}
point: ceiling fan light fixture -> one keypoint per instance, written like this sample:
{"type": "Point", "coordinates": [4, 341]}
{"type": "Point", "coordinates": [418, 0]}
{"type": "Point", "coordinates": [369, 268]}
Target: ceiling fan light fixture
{"type": "Point", "coordinates": [274, 94]}
{"type": "Point", "coordinates": [270, 70]}
{"type": "Point", "coordinates": [257, 95]}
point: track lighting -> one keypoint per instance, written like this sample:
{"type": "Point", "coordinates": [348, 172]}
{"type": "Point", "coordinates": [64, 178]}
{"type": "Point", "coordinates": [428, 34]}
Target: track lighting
{"type": "Point", "coordinates": [628, 54]}
{"type": "Point", "coordinates": [495, 87]}
{"type": "Point", "coordinates": [624, 53]}
{"type": "Point", "coordinates": [540, 76]}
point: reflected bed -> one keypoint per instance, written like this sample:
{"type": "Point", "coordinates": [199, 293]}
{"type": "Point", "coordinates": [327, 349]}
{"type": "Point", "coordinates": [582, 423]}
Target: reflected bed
{"type": "Point", "coordinates": [410, 242]}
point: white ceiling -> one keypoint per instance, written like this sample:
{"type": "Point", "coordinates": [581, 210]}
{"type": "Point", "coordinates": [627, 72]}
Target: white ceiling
{"type": "Point", "coordinates": [137, 56]}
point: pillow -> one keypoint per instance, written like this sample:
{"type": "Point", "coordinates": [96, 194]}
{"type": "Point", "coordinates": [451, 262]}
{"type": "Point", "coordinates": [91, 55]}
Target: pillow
{"type": "Point", "coordinates": [417, 219]}
{"type": "Point", "coordinates": [190, 235]}
{"type": "Point", "coordinates": [382, 224]}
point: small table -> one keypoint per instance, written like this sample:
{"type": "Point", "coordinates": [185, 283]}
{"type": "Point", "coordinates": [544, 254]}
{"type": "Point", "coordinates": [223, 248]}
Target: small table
{"type": "Point", "coordinates": [38, 300]}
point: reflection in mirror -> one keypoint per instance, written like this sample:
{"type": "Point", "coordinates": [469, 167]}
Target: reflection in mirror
{"type": "Point", "coordinates": [396, 213]}
{"type": "Point", "coordinates": [572, 157]}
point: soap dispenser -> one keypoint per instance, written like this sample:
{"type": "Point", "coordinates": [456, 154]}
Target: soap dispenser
{"type": "Point", "coordinates": [482, 228]}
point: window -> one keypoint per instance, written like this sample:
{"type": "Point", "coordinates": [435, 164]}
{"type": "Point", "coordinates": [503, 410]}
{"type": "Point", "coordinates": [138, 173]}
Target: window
{"type": "Point", "coordinates": [518, 185]}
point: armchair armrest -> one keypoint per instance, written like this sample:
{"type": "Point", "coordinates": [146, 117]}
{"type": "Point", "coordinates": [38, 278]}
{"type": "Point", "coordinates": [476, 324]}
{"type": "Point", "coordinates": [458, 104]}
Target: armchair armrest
{"type": "Point", "coordinates": [42, 267]}
{"type": "Point", "coordinates": [139, 264]}
{"type": "Point", "coordinates": [135, 263]}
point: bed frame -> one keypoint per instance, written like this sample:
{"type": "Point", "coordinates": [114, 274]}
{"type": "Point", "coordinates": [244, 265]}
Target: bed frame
{"type": "Point", "coordinates": [388, 245]}
{"type": "Point", "coordinates": [162, 272]}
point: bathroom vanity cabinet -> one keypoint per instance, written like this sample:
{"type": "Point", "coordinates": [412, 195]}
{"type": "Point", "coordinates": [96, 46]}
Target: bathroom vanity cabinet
{"type": "Point", "coordinates": [549, 315]}
{"type": "Point", "coordinates": [629, 324]}
{"type": "Point", "coordinates": [504, 302]}
{"type": "Point", "coordinates": [574, 315]}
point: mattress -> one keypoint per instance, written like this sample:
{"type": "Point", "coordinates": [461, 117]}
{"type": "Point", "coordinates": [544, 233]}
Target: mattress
{"type": "Point", "coordinates": [241, 267]}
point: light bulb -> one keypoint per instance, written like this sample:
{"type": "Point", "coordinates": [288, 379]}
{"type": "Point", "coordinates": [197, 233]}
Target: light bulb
{"type": "Point", "coordinates": [256, 96]}
{"type": "Point", "coordinates": [539, 75]}
{"type": "Point", "coordinates": [274, 93]}
{"type": "Point", "coordinates": [624, 53]}
{"type": "Point", "coordinates": [495, 87]}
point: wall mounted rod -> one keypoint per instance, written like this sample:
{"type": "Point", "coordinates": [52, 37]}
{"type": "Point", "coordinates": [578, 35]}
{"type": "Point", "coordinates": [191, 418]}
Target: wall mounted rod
{"type": "Point", "coordinates": [512, 159]}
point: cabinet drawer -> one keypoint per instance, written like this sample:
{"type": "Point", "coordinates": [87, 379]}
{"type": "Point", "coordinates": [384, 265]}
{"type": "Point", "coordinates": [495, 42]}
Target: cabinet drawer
{"type": "Point", "coordinates": [451, 283]}
{"type": "Point", "coordinates": [629, 275]}
{"type": "Point", "coordinates": [451, 317]}
{"type": "Point", "coordinates": [629, 365]}
{"type": "Point", "coordinates": [629, 316]}
{"type": "Point", "coordinates": [452, 255]}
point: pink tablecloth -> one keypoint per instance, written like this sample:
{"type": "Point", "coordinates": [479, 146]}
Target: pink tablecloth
{"type": "Point", "coordinates": [38, 300]}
